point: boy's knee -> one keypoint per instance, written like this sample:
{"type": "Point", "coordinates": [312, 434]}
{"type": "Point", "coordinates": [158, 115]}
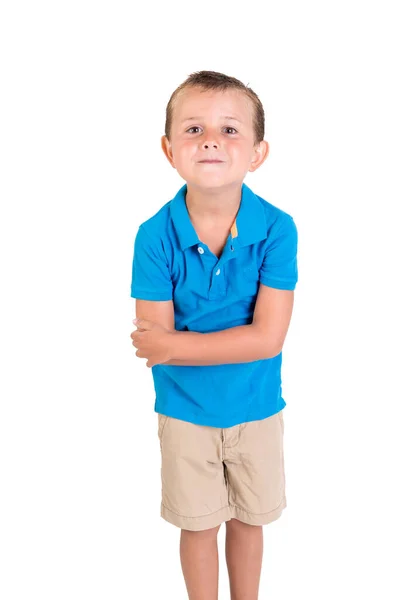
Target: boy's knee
{"type": "Point", "coordinates": [204, 533]}
{"type": "Point", "coordinates": [237, 525]}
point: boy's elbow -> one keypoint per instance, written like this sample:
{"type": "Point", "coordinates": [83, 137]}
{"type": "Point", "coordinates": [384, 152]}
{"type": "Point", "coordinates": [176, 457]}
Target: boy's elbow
{"type": "Point", "coordinates": [271, 352]}
{"type": "Point", "coordinates": [270, 346]}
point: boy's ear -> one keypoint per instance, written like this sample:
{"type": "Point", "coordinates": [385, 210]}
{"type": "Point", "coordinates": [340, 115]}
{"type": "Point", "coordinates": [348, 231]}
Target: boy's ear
{"type": "Point", "coordinates": [261, 151]}
{"type": "Point", "coordinates": [166, 148]}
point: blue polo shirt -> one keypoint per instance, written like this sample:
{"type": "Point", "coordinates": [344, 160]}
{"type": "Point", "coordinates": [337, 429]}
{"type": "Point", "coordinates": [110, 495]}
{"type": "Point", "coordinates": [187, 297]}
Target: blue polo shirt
{"type": "Point", "coordinates": [170, 262]}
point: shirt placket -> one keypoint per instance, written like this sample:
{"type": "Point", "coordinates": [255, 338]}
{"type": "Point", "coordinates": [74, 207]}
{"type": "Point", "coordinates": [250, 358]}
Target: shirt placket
{"type": "Point", "coordinates": [216, 267]}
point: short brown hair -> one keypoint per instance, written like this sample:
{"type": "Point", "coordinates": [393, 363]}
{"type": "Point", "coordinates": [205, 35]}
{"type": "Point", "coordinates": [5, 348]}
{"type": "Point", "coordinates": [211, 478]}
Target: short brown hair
{"type": "Point", "coordinates": [211, 80]}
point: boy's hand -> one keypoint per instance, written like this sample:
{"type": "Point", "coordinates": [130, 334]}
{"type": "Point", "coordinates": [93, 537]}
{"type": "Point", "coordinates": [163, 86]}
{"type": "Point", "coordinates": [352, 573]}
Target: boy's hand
{"type": "Point", "coordinates": [153, 341]}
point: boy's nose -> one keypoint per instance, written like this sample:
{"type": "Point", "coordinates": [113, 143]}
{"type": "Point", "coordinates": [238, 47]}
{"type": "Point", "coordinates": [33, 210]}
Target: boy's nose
{"type": "Point", "coordinates": [208, 144]}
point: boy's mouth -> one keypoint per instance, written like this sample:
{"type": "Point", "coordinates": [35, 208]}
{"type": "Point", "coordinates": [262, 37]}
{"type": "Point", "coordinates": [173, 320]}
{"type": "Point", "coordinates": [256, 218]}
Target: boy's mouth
{"type": "Point", "coordinates": [211, 161]}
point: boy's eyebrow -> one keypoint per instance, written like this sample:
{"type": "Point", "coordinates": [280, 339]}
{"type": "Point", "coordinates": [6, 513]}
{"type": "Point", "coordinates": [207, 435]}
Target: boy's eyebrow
{"type": "Point", "coordinates": [197, 118]}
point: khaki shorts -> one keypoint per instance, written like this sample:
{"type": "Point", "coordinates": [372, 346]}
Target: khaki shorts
{"type": "Point", "coordinates": [211, 475]}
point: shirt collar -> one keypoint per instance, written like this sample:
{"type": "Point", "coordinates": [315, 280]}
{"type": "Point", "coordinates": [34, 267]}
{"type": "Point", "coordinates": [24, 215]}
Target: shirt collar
{"type": "Point", "coordinates": [249, 226]}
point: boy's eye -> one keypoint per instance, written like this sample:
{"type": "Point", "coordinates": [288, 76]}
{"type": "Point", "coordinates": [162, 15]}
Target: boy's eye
{"type": "Point", "coordinates": [232, 128]}
{"type": "Point", "coordinates": [195, 127]}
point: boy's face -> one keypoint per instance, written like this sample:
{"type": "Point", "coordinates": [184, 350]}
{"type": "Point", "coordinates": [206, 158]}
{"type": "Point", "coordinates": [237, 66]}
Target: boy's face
{"type": "Point", "coordinates": [201, 131]}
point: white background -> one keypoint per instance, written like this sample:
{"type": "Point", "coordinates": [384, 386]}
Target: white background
{"type": "Point", "coordinates": [84, 90]}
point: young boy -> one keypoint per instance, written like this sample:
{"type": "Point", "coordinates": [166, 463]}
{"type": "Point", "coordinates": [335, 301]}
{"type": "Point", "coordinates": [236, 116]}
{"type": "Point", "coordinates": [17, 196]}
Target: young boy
{"type": "Point", "coordinates": [213, 276]}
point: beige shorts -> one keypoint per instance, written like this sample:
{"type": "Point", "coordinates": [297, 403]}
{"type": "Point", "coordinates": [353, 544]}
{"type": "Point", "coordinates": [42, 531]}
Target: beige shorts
{"type": "Point", "coordinates": [211, 475]}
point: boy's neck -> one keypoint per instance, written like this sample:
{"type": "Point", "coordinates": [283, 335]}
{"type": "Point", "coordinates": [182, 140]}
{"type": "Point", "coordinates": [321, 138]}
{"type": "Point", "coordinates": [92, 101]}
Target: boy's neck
{"type": "Point", "coordinates": [220, 204]}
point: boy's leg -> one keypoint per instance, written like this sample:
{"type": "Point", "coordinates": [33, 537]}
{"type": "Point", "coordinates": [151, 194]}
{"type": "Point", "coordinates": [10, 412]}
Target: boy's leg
{"type": "Point", "coordinates": [254, 463]}
{"type": "Point", "coordinates": [243, 550]}
{"type": "Point", "coordinates": [199, 560]}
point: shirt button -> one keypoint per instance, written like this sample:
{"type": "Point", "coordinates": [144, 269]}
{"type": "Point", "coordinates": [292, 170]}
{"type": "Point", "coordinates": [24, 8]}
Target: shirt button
{"type": "Point", "coordinates": [218, 272]}
{"type": "Point", "coordinates": [200, 249]}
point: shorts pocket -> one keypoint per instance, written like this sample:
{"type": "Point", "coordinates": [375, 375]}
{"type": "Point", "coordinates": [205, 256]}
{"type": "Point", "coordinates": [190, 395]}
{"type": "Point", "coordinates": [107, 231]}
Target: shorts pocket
{"type": "Point", "coordinates": [162, 420]}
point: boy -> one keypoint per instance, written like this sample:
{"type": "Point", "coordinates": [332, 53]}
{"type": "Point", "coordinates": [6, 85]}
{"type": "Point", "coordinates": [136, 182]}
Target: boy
{"type": "Point", "coordinates": [213, 276]}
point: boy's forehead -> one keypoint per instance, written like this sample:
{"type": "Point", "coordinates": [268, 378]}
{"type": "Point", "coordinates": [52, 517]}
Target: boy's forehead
{"type": "Point", "coordinates": [194, 102]}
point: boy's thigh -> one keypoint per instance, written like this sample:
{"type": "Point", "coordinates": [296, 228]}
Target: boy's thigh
{"type": "Point", "coordinates": [255, 472]}
{"type": "Point", "coordinates": [194, 491]}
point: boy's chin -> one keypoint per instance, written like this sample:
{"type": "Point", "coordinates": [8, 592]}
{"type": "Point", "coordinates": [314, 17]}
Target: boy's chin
{"type": "Point", "coordinates": [212, 182]}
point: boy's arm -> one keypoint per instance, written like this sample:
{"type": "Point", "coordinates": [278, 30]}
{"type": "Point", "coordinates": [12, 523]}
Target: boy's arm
{"type": "Point", "coordinates": [263, 338]}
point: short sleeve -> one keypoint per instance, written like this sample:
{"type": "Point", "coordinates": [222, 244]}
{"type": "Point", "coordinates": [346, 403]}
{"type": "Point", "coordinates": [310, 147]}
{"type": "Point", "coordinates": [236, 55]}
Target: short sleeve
{"type": "Point", "coordinates": [151, 278]}
{"type": "Point", "coordinates": [279, 267]}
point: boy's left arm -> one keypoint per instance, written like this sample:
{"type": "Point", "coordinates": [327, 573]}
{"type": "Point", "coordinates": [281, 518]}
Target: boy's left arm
{"type": "Point", "coordinates": [263, 338]}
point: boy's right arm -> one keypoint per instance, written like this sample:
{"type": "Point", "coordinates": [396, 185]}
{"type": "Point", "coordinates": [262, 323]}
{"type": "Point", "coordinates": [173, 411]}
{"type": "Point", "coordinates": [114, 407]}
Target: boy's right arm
{"type": "Point", "coordinates": [158, 311]}
{"type": "Point", "coordinates": [151, 279]}
{"type": "Point", "coordinates": [161, 312]}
